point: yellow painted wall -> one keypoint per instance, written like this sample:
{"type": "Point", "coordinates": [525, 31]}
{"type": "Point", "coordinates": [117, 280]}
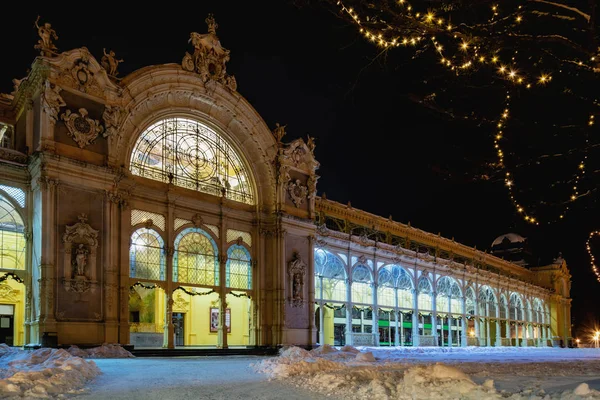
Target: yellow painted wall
{"type": "Point", "coordinates": [14, 293]}
{"type": "Point", "coordinates": [12, 250]}
{"type": "Point", "coordinates": [197, 319]}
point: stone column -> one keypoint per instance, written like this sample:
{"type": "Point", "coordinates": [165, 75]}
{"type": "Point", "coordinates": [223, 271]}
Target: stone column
{"type": "Point", "coordinates": [488, 336]}
{"type": "Point", "coordinates": [415, 318]}
{"type": "Point", "coordinates": [375, 316]}
{"type": "Point", "coordinates": [449, 321]}
{"type": "Point", "coordinates": [349, 340]}
{"type": "Point", "coordinates": [498, 330]}
{"type": "Point", "coordinates": [463, 323]}
{"type": "Point", "coordinates": [397, 335]}
{"type": "Point", "coordinates": [47, 270]}
{"type": "Point", "coordinates": [310, 279]}
{"type": "Point", "coordinates": [222, 328]}
{"type": "Point", "coordinates": [322, 314]}
{"type": "Point", "coordinates": [434, 319]}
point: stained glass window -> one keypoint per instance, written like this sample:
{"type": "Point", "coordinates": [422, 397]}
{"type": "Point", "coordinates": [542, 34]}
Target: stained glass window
{"type": "Point", "coordinates": [147, 255]}
{"type": "Point", "coordinates": [195, 259]}
{"type": "Point", "coordinates": [191, 155]}
{"type": "Point", "coordinates": [238, 270]}
{"type": "Point", "coordinates": [12, 238]}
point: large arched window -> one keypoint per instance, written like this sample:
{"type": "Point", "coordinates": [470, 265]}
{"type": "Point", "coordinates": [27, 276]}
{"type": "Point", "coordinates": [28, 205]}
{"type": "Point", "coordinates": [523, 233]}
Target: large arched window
{"type": "Point", "coordinates": [424, 287]}
{"type": "Point", "coordinates": [487, 302]}
{"type": "Point", "coordinates": [238, 270]}
{"type": "Point", "coordinates": [12, 237]}
{"type": "Point", "coordinates": [195, 260]}
{"type": "Point", "coordinates": [362, 288]}
{"type": "Point", "coordinates": [470, 301]}
{"type": "Point", "coordinates": [191, 155]}
{"type": "Point", "coordinates": [503, 307]}
{"type": "Point", "coordinates": [516, 307]}
{"type": "Point", "coordinates": [390, 277]}
{"type": "Point", "coordinates": [329, 270]}
{"type": "Point", "coordinates": [538, 311]}
{"type": "Point", "coordinates": [448, 296]}
{"type": "Point", "coordinates": [147, 255]}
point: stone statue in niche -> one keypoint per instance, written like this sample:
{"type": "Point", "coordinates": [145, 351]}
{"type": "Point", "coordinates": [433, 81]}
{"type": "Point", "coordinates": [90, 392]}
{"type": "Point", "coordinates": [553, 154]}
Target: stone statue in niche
{"type": "Point", "coordinates": [81, 246]}
{"type": "Point", "coordinates": [81, 255]}
{"type": "Point", "coordinates": [296, 273]}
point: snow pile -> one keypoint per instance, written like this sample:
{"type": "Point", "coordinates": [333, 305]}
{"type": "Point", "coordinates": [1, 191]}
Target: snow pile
{"type": "Point", "coordinates": [42, 373]}
{"type": "Point", "coordinates": [104, 351]}
{"type": "Point", "coordinates": [387, 373]}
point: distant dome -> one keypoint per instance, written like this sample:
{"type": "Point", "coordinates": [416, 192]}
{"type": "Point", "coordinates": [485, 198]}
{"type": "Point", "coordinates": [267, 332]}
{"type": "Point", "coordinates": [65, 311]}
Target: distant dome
{"type": "Point", "coordinates": [511, 237]}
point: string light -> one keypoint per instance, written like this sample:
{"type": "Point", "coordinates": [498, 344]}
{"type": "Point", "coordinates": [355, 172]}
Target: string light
{"type": "Point", "coordinates": [590, 253]}
{"type": "Point", "coordinates": [478, 56]}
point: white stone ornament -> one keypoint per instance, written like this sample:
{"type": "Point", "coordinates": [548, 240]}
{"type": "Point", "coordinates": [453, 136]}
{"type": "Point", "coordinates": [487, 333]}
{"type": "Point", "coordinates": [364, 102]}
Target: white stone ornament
{"type": "Point", "coordinates": [81, 128]}
{"type": "Point", "coordinates": [297, 192]}
{"type": "Point", "coordinates": [209, 58]}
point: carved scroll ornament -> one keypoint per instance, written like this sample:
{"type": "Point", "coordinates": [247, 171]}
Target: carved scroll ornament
{"type": "Point", "coordinates": [81, 128]}
{"type": "Point", "coordinates": [297, 192]}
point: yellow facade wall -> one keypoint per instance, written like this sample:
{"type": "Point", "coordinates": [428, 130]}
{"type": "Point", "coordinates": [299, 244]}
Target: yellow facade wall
{"type": "Point", "coordinates": [13, 293]}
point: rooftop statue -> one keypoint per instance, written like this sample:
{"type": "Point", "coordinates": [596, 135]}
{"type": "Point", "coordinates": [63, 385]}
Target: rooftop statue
{"type": "Point", "coordinates": [110, 63]}
{"type": "Point", "coordinates": [47, 34]}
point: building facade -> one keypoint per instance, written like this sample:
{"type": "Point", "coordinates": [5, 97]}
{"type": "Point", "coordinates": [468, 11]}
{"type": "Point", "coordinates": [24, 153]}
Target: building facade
{"type": "Point", "coordinates": [160, 210]}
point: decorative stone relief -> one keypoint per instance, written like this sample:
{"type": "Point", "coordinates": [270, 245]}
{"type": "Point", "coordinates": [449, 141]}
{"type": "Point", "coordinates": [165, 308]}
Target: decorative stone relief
{"type": "Point", "coordinates": [209, 58]}
{"type": "Point", "coordinates": [179, 303]}
{"type": "Point", "coordinates": [81, 128]}
{"type": "Point", "coordinates": [81, 243]}
{"type": "Point", "coordinates": [113, 117]}
{"type": "Point", "coordinates": [197, 220]}
{"type": "Point", "coordinates": [52, 101]}
{"type": "Point", "coordinates": [8, 294]}
{"type": "Point", "coordinates": [311, 185]}
{"type": "Point", "coordinates": [296, 272]}
{"type": "Point", "coordinates": [297, 192]}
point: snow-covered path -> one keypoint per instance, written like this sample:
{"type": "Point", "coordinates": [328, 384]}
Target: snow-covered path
{"type": "Point", "coordinates": [183, 378]}
{"type": "Point", "coordinates": [401, 373]}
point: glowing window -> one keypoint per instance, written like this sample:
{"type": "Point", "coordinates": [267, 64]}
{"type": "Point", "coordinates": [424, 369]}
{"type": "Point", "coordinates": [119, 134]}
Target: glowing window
{"type": "Point", "coordinates": [238, 270]}
{"type": "Point", "coordinates": [331, 271]}
{"type": "Point", "coordinates": [191, 155]}
{"type": "Point", "coordinates": [12, 237]}
{"type": "Point", "coordinates": [424, 299]}
{"type": "Point", "coordinates": [147, 255]}
{"type": "Point", "coordinates": [195, 259]}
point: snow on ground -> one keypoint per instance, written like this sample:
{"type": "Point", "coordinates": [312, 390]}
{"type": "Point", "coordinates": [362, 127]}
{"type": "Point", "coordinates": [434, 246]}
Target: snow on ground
{"type": "Point", "coordinates": [104, 351]}
{"type": "Point", "coordinates": [42, 373]}
{"type": "Point", "coordinates": [440, 373]}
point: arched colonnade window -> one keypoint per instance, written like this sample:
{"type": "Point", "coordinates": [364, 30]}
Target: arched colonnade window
{"type": "Point", "coordinates": [394, 305]}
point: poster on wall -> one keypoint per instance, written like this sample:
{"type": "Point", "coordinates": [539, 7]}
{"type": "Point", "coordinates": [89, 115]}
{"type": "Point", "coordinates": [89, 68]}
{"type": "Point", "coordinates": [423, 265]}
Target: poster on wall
{"type": "Point", "coordinates": [214, 319]}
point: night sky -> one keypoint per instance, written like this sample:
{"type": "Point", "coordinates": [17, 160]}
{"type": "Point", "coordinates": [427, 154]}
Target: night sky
{"type": "Point", "coordinates": [301, 65]}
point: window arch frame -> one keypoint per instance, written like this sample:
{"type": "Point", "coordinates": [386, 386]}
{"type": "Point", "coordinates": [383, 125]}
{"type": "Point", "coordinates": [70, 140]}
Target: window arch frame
{"type": "Point", "coordinates": [181, 234]}
{"type": "Point", "coordinates": [246, 251]}
{"type": "Point", "coordinates": [231, 149]}
{"type": "Point", "coordinates": [156, 232]}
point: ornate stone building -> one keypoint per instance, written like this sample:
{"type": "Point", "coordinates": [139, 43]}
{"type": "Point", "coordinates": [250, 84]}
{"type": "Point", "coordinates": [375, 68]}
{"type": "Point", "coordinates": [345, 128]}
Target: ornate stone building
{"type": "Point", "coordinates": [159, 209]}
